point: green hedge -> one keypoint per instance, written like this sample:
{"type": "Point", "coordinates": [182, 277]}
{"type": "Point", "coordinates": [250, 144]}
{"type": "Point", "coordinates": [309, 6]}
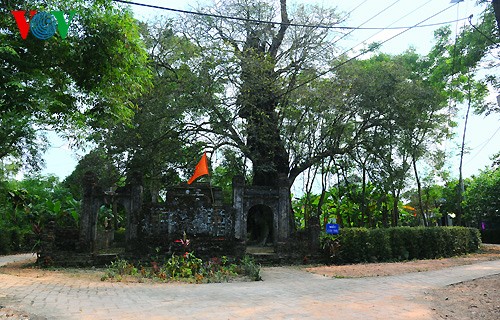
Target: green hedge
{"type": "Point", "coordinates": [402, 243]}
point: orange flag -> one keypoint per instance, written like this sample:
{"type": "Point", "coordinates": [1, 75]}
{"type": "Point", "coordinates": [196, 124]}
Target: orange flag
{"type": "Point", "coordinates": [201, 169]}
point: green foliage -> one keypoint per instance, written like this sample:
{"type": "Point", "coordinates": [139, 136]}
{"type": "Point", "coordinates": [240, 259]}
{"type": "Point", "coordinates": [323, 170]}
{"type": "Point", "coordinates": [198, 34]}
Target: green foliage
{"type": "Point", "coordinates": [44, 198]}
{"type": "Point", "coordinates": [353, 244]}
{"type": "Point", "coordinates": [156, 142]}
{"type": "Point", "coordinates": [379, 243]}
{"type": "Point", "coordinates": [482, 199]}
{"type": "Point", "coordinates": [25, 207]}
{"type": "Point", "coordinates": [402, 243]}
{"type": "Point", "coordinates": [14, 239]}
{"type": "Point", "coordinates": [449, 62]}
{"type": "Point", "coordinates": [185, 267]}
{"type": "Point", "coordinates": [120, 236]}
{"type": "Point", "coordinates": [85, 81]}
{"type": "Point", "coordinates": [5, 241]}
{"type": "Point", "coordinates": [250, 268]}
{"type": "Point", "coordinates": [343, 203]}
{"type": "Point", "coordinates": [98, 162]}
{"type": "Point", "coordinates": [122, 267]}
{"type": "Point", "coordinates": [222, 176]}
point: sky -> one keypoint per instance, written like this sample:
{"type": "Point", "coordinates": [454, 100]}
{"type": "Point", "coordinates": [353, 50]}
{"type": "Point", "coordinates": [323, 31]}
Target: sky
{"type": "Point", "coordinates": [483, 133]}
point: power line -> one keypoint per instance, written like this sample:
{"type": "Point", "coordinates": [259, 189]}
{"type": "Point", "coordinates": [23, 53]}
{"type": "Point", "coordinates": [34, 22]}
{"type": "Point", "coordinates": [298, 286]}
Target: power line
{"type": "Point", "coordinates": [373, 17]}
{"type": "Point", "coordinates": [355, 8]}
{"type": "Point", "coordinates": [411, 12]}
{"type": "Point", "coordinates": [330, 45]}
{"type": "Point", "coordinates": [484, 146]}
{"type": "Point", "coordinates": [280, 23]}
{"type": "Point", "coordinates": [347, 15]}
{"type": "Point", "coordinates": [406, 15]}
{"type": "Point", "coordinates": [364, 52]}
{"type": "Point", "coordinates": [417, 25]}
{"type": "Point", "coordinates": [475, 28]}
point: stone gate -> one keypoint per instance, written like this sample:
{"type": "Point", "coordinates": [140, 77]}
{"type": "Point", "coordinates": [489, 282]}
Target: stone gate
{"type": "Point", "coordinates": [196, 210]}
{"type": "Point", "coordinates": [276, 201]}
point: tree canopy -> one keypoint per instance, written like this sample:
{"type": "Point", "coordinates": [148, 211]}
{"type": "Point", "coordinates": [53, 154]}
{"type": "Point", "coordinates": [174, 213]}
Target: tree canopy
{"type": "Point", "coordinates": [276, 100]}
{"type": "Point", "coordinates": [69, 85]}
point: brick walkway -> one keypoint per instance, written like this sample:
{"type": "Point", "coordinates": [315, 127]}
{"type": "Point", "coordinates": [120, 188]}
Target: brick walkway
{"type": "Point", "coordinates": [285, 293]}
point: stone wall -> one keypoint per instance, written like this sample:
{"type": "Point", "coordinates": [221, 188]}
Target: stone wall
{"type": "Point", "coordinates": [193, 212]}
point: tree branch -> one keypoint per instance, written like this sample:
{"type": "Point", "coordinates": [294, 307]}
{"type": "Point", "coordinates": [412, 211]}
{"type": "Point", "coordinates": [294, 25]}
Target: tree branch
{"type": "Point", "coordinates": [278, 39]}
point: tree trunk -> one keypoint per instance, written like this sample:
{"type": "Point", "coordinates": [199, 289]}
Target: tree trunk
{"type": "Point", "coordinates": [385, 215]}
{"type": "Point", "coordinates": [395, 210]}
{"type": "Point", "coordinates": [419, 191]}
{"type": "Point", "coordinates": [320, 204]}
{"type": "Point", "coordinates": [257, 100]}
{"type": "Point", "coordinates": [268, 153]}
{"type": "Point", "coordinates": [324, 178]}
{"type": "Point", "coordinates": [427, 196]}
{"type": "Point", "coordinates": [363, 197]}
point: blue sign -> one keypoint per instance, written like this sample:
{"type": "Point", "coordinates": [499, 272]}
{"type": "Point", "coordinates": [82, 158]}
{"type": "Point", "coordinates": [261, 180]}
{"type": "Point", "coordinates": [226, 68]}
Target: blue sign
{"type": "Point", "coordinates": [332, 228]}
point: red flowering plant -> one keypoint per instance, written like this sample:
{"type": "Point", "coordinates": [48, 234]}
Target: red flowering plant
{"type": "Point", "coordinates": [184, 242]}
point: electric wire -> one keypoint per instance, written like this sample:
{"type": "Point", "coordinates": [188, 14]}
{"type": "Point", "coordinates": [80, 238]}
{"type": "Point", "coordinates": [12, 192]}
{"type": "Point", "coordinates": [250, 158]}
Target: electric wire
{"type": "Point", "coordinates": [475, 28]}
{"type": "Point", "coordinates": [417, 25]}
{"type": "Point", "coordinates": [362, 42]}
{"type": "Point", "coordinates": [484, 146]}
{"type": "Point", "coordinates": [280, 23]}
{"type": "Point", "coordinates": [365, 22]}
{"type": "Point", "coordinates": [348, 15]}
{"type": "Point", "coordinates": [380, 31]}
{"type": "Point", "coordinates": [330, 45]}
{"type": "Point", "coordinates": [364, 52]}
{"type": "Point", "coordinates": [453, 62]}
{"type": "Point", "coordinates": [355, 8]}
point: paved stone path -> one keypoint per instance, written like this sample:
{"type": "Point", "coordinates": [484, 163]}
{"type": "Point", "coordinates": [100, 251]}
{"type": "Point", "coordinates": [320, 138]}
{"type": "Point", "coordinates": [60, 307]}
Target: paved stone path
{"type": "Point", "coordinates": [285, 293]}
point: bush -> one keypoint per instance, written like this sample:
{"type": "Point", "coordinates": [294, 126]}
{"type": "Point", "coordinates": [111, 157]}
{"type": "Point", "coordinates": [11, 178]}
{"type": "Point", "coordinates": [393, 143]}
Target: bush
{"type": "Point", "coordinates": [185, 267]}
{"type": "Point", "coordinates": [4, 241]}
{"type": "Point", "coordinates": [355, 241]}
{"type": "Point", "coordinates": [14, 240]}
{"type": "Point", "coordinates": [401, 243]}
{"type": "Point", "coordinates": [379, 245]}
{"type": "Point", "coordinates": [250, 268]}
{"type": "Point", "coordinates": [119, 238]}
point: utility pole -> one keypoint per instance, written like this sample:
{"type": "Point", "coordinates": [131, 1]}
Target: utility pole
{"type": "Point", "coordinates": [461, 189]}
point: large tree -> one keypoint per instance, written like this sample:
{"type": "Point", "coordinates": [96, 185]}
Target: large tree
{"type": "Point", "coordinates": [157, 140]}
{"type": "Point", "coordinates": [260, 65]}
{"type": "Point", "coordinates": [71, 84]}
{"type": "Point", "coordinates": [283, 102]}
{"type": "Point", "coordinates": [407, 118]}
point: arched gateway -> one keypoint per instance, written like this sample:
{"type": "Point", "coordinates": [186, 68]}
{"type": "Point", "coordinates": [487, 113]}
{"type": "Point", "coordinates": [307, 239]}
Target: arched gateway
{"type": "Point", "coordinates": [262, 214]}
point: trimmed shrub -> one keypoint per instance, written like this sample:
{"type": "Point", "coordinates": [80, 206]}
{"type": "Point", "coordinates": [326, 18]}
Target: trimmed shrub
{"type": "Point", "coordinates": [379, 245]}
{"type": "Point", "coordinates": [354, 245]}
{"type": "Point", "coordinates": [397, 238]}
{"type": "Point", "coordinates": [402, 243]}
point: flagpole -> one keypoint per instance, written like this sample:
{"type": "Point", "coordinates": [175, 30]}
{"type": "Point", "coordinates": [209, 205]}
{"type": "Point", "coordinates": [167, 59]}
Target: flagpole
{"type": "Point", "coordinates": [210, 186]}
